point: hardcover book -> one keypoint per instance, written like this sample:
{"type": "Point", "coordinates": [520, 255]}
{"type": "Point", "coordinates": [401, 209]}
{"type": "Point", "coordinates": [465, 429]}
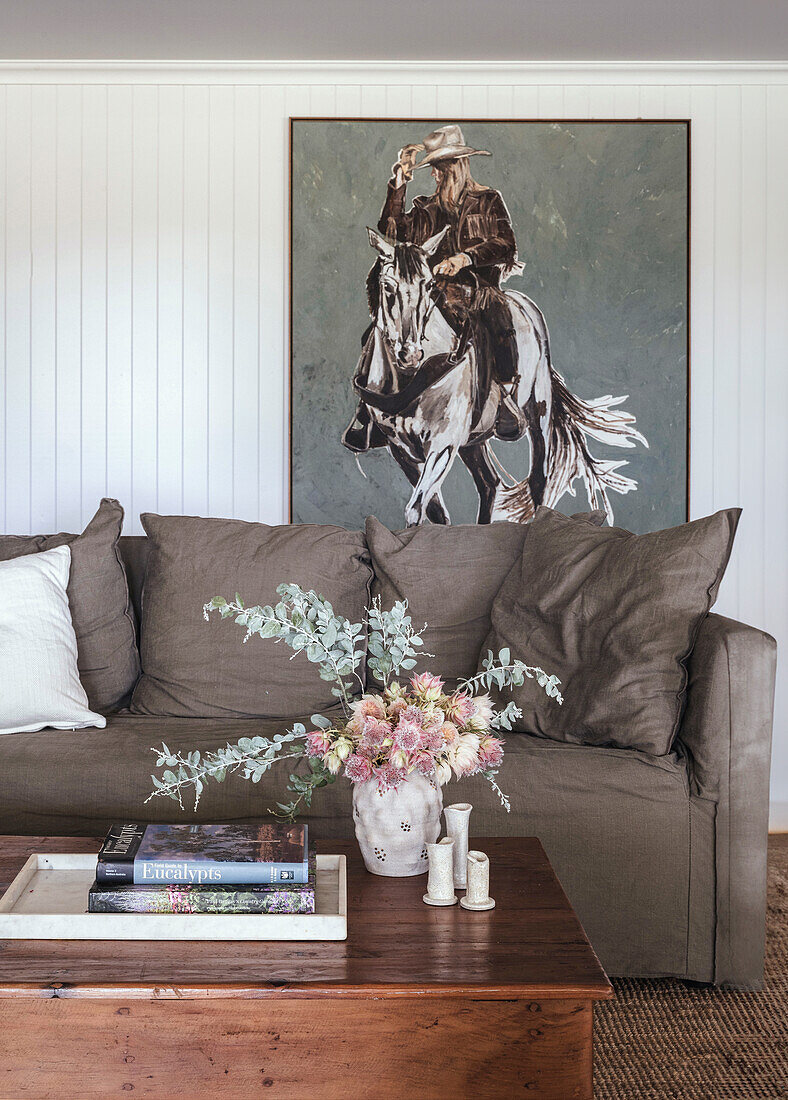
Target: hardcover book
{"type": "Point", "coordinates": [199, 855]}
{"type": "Point", "coordinates": [263, 898]}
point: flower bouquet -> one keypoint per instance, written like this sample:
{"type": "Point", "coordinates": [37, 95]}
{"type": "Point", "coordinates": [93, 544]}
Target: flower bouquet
{"type": "Point", "coordinates": [398, 746]}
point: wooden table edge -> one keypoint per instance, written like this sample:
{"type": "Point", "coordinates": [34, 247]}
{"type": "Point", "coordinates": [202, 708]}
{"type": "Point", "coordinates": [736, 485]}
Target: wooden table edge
{"type": "Point", "coordinates": [302, 990]}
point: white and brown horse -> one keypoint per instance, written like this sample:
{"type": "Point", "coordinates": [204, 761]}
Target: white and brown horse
{"type": "Point", "coordinates": [420, 381]}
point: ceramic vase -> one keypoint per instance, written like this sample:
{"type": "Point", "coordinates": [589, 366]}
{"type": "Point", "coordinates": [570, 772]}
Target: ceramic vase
{"type": "Point", "coordinates": [457, 820]}
{"type": "Point", "coordinates": [440, 877]}
{"type": "Point", "coordinates": [394, 827]}
{"type": "Point", "coordinates": [478, 896]}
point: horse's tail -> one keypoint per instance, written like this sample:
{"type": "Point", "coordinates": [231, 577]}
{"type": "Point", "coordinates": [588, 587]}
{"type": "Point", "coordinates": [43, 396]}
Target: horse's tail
{"type": "Point", "coordinates": [572, 421]}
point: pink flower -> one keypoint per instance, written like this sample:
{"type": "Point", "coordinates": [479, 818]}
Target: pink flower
{"type": "Point", "coordinates": [355, 726]}
{"type": "Point", "coordinates": [433, 717]}
{"type": "Point", "coordinates": [317, 742]}
{"type": "Point", "coordinates": [423, 762]}
{"type": "Point", "coordinates": [427, 687]}
{"type": "Point", "coordinates": [395, 708]}
{"type": "Point", "coordinates": [448, 734]}
{"type": "Point", "coordinates": [490, 752]}
{"type": "Point", "coordinates": [459, 708]}
{"type": "Point", "coordinates": [413, 714]}
{"type": "Point", "coordinates": [358, 769]}
{"type": "Point", "coordinates": [389, 777]}
{"type": "Point", "coordinates": [432, 739]}
{"type": "Point", "coordinates": [479, 721]}
{"type": "Point", "coordinates": [375, 733]}
{"type": "Point", "coordinates": [407, 735]}
{"type": "Point", "coordinates": [464, 755]}
{"type": "Point", "coordinates": [369, 706]}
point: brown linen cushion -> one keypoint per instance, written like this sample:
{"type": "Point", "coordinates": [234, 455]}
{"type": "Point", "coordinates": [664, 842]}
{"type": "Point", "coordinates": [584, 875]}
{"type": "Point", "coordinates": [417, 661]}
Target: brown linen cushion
{"type": "Point", "coordinates": [450, 577]}
{"type": "Point", "coordinates": [98, 597]}
{"type": "Point", "coordinates": [194, 668]}
{"type": "Point", "coordinates": [614, 615]}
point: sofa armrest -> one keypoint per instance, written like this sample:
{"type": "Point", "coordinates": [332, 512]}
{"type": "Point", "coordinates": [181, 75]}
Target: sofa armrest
{"type": "Point", "coordinates": [727, 732]}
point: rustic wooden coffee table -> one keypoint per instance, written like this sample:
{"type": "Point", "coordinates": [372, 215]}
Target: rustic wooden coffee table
{"type": "Point", "coordinates": [418, 1002]}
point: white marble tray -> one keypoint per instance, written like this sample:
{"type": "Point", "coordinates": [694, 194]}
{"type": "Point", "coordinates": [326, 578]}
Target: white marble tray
{"type": "Point", "coordinates": [48, 900]}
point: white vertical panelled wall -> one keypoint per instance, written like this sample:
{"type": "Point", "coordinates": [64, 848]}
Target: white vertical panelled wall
{"type": "Point", "coordinates": [143, 283]}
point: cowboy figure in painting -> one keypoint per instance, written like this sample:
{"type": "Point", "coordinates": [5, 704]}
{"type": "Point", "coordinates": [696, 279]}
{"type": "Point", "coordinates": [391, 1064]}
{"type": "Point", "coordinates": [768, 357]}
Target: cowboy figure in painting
{"type": "Point", "coordinates": [452, 361]}
{"type": "Point", "coordinates": [474, 257]}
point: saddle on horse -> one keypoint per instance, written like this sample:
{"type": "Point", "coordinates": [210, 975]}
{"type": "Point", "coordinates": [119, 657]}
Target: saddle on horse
{"type": "Point", "coordinates": [479, 315]}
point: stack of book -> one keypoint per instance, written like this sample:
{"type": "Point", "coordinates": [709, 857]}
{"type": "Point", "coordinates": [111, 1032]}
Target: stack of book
{"type": "Point", "coordinates": [205, 869]}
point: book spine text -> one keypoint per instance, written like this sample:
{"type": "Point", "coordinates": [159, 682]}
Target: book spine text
{"type": "Point", "coordinates": [144, 872]}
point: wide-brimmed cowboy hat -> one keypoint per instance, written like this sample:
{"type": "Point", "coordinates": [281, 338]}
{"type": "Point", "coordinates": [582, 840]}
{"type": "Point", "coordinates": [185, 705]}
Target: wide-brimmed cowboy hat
{"type": "Point", "coordinates": [447, 143]}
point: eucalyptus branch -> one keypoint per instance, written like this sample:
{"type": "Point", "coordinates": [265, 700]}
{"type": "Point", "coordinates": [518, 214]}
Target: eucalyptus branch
{"type": "Point", "coordinates": [307, 623]}
{"type": "Point", "coordinates": [253, 755]}
{"type": "Point", "coordinates": [504, 799]}
{"type": "Point", "coordinates": [392, 642]}
{"type": "Point", "coordinates": [303, 787]}
{"type": "Point", "coordinates": [504, 673]}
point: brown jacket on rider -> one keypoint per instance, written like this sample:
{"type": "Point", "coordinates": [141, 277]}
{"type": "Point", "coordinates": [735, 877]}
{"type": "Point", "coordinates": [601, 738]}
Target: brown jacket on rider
{"type": "Point", "coordinates": [481, 228]}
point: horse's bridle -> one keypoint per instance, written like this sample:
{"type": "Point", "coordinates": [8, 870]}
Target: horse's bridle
{"type": "Point", "coordinates": [428, 372]}
{"type": "Point", "coordinates": [437, 296]}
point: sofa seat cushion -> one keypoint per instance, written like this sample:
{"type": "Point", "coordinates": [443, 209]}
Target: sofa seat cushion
{"type": "Point", "coordinates": [106, 777]}
{"type": "Point", "coordinates": [199, 669]}
{"type": "Point", "coordinates": [632, 848]}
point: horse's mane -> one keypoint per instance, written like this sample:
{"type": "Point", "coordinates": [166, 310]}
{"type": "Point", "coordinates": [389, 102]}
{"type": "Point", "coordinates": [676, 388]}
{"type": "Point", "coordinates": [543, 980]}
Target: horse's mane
{"type": "Point", "coordinates": [408, 260]}
{"type": "Point", "coordinates": [373, 289]}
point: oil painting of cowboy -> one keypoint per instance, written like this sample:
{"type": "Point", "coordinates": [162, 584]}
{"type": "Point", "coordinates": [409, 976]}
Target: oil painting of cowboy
{"type": "Point", "coordinates": [454, 360]}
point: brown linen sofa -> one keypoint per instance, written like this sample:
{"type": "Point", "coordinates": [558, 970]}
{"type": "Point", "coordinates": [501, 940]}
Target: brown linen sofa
{"type": "Point", "coordinates": [663, 858]}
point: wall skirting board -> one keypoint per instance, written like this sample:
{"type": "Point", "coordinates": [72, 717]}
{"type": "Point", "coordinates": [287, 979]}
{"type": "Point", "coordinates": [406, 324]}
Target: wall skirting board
{"type": "Point", "coordinates": [143, 312]}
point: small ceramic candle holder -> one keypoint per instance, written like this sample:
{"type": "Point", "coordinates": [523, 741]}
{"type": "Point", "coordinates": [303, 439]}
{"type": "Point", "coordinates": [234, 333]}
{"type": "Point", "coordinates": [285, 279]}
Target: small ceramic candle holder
{"type": "Point", "coordinates": [478, 896]}
{"type": "Point", "coordinates": [457, 820]}
{"type": "Point", "coordinates": [440, 880]}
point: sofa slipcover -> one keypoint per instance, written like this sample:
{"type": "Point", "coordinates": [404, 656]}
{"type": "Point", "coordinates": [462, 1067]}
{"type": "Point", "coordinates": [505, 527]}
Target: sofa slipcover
{"type": "Point", "coordinates": [663, 858]}
{"type": "Point", "coordinates": [633, 850]}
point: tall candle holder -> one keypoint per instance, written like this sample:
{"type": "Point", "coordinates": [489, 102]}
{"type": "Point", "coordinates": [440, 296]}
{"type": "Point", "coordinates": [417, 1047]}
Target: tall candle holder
{"type": "Point", "coordinates": [457, 821]}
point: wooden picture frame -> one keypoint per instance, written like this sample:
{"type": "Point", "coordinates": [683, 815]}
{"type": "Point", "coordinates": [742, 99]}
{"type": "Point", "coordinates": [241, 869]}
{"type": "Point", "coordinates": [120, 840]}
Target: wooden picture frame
{"type": "Point", "coordinates": [679, 510]}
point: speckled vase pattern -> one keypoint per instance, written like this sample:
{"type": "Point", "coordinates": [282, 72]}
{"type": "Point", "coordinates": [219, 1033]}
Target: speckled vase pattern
{"type": "Point", "coordinates": [394, 827]}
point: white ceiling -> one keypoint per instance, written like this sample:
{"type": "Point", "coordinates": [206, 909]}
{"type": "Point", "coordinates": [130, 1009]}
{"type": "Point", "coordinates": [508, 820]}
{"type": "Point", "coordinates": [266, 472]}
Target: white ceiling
{"type": "Point", "coordinates": [546, 30]}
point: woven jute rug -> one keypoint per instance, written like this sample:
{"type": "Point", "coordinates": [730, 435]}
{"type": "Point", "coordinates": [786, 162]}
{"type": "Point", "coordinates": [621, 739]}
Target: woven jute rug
{"type": "Point", "coordinates": [665, 1039]}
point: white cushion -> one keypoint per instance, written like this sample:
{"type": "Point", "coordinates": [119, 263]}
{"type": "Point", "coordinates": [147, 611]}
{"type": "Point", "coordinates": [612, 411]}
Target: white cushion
{"type": "Point", "coordinates": [39, 682]}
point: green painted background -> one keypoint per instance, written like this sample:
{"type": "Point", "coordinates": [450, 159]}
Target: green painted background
{"type": "Point", "coordinates": [600, 216]}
